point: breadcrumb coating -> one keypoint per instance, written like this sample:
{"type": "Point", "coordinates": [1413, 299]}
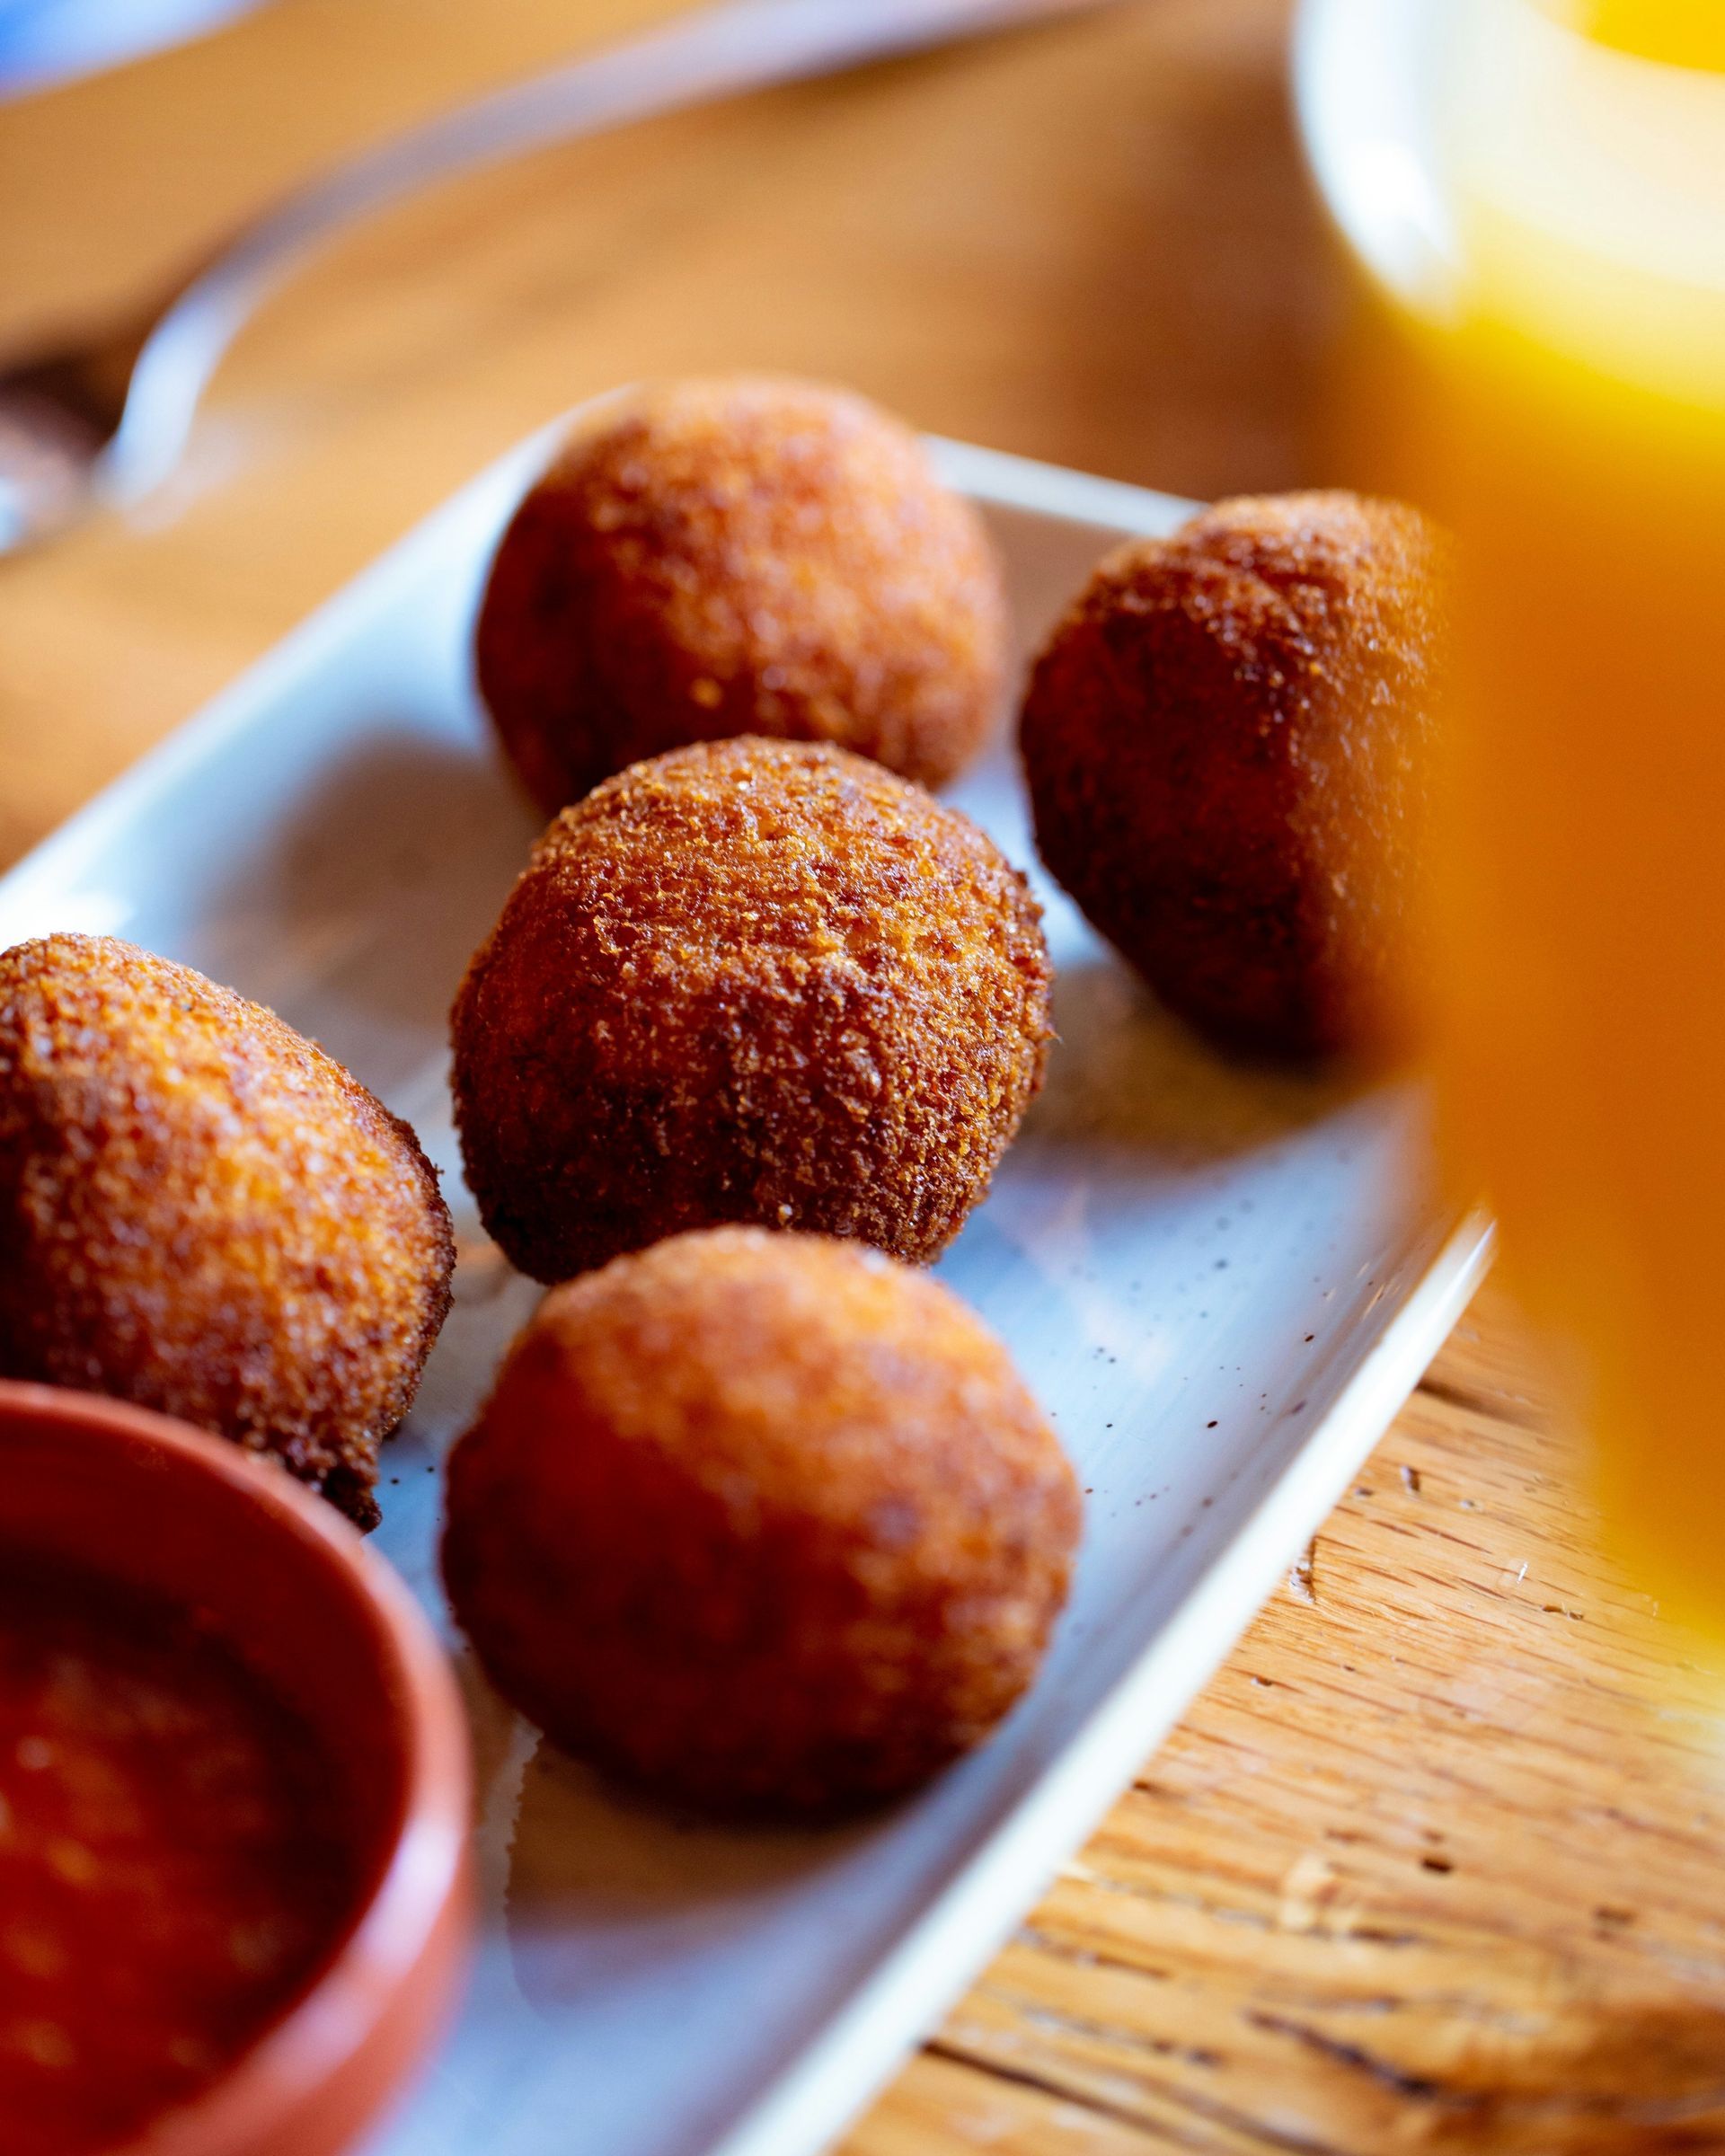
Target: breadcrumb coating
{"type": "Point", "coordinates": [746, 555]}
{"type": "Point", "coordinates": [1227, 742]}
{"type": "Point", "coordinates": [768, 1524]}
{"type": "Point", "coordinates": [200, 1212]}
{"type": "Point", "coordinates": [748, 981]}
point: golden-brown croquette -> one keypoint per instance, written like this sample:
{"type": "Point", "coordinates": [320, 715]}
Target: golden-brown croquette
{"type": "Point", "coordinates": [756, 981]}
{"type": "Point", "coordinates": [1227, 742]}
{"type": "Point", "coordinates": [201, 1213]}
{"type": "Point", "coordinates": [766, 1524]}
{"type": "Point", "coordinates": [740, 556]}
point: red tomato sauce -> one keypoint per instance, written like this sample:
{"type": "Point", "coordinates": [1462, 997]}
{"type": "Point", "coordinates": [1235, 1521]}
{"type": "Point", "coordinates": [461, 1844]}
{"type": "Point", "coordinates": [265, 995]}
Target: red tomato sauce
{"type": "Point", "coordinates": [171, 1871]}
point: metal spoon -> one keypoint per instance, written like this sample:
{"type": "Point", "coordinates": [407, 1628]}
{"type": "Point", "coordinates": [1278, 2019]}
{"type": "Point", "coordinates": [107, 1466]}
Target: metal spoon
{"type": "Point", "coordinates": [100, 421]}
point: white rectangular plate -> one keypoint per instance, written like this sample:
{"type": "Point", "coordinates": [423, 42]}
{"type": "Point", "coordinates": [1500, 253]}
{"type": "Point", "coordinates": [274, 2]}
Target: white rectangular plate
{"type": "Point", "coordinates": [1222, 1285]}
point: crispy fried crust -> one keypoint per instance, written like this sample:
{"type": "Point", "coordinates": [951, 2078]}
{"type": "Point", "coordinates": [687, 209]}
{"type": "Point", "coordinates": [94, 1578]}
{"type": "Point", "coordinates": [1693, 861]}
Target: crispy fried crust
{"type": "Point", "coordinates": [740, 556]}
{"type": "Point", "coordinates": [766, 1522]}
{"type": "Point", "coordinates": [1227, 742]}
{"type": "Point", "coordinates": [200, 1212]}
{"type": "Point", "coordinates": [748, 981]}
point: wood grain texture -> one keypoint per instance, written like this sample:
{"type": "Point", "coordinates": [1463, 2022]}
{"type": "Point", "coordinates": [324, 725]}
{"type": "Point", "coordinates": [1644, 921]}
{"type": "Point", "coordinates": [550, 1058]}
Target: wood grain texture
{"type": "Point", "coordinates": [1431, 1865]}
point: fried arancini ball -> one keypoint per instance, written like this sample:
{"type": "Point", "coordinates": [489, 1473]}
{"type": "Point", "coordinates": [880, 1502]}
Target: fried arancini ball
{"type": "Point", "coordinates": [768, 1524]}
{"type": "Point", "coordinates": [201, 1213]}
{"type": "Point", "coordinates": [1226, 743]}
{"type": "Point", "coordinates": [740, 556]}
{"type": "Point", "coordinates": [748, 981]}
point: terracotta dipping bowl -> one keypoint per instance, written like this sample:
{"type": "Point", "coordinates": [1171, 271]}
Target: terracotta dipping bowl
{"type": "Point", "coordinates": [147, 1501]}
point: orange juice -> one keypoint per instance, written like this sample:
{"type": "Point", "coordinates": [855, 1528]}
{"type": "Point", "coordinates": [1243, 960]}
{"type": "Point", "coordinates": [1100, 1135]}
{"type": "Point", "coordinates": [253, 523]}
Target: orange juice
{"type": "Point", "coordinates": [1573, 435]}
{"type": "Point", "coordinates": [1684, 34]}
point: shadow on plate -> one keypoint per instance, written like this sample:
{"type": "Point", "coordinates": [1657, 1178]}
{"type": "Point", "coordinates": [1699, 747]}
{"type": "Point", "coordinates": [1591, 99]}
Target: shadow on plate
{"type": "Point", "coordinates": [1126, 1073]}
{"type": "Point", "coordinates": [370, 894]}
{"type": "Point", "coordinates": [571, 1845]}
{"type": "Point", "coordinates": [595, 1881]}
{"type": "Point", "coordinates": [600, 1855]}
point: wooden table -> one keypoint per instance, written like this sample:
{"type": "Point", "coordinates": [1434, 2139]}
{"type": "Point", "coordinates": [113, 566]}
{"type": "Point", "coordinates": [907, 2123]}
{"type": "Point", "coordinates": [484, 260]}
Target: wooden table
{"type": "Point", "coordinates": [1432, 1864]}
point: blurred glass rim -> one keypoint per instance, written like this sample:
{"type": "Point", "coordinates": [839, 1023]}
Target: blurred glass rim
{"type": "Point", "coordinates": [45, 42]}
{"type": "Point", "coordinates": [1616, 155]}
{"type": "Point", "coordinates": [1366, 113]}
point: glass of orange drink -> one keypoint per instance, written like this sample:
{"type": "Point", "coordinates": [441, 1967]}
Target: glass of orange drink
{"type": "Point", "coordinates": [1536, 194]}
